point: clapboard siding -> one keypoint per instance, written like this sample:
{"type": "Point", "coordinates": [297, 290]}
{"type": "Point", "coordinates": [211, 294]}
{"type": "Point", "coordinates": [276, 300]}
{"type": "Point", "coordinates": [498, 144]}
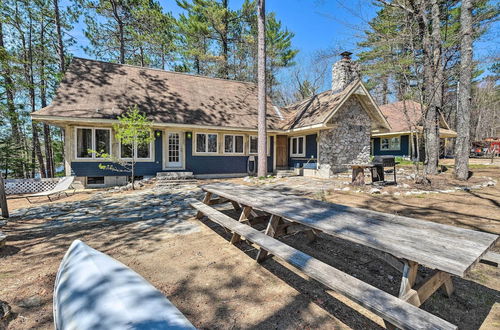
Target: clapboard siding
{"type": "Point", "coordinates": [311, 151]}
{"type": "Point", "coordinates": [141, 168]}
{"type": "Point", "coordinates": [220, 164]}
{"type": "Point", "coordinates": [404, 150]}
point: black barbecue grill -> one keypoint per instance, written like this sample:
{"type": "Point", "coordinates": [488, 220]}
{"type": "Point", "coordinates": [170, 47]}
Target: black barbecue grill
{"type": "Point", "coordinates": [379, 165]}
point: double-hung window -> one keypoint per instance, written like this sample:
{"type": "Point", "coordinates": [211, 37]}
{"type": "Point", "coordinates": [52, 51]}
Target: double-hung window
{"type": "Point", "coordinates": [233, 144]}
{"type": "Point", "coordinates": [206, 143]}
{"type": "Point", "coordinates": [139, 151]}
{"type": "Point", "coordinates": [253, 145]}
{"type": "Point", "coordinates": [298, 146]}
{"type": "Point", "coordinates": [91, 143]}
{"type": "Point", "coordinates": [393, 143]}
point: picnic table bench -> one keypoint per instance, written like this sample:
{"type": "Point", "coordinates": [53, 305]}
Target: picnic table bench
{"type": "Point", "coordinates": [405, 243]}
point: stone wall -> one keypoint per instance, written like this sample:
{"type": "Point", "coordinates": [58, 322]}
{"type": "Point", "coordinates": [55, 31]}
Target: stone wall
{"type": "Point", "coordinates": [346, 143]}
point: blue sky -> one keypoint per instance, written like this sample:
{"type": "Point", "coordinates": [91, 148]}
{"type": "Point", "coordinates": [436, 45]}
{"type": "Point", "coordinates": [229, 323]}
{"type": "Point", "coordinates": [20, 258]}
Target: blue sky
{"type": "Point", "coordinates": [320, 25]}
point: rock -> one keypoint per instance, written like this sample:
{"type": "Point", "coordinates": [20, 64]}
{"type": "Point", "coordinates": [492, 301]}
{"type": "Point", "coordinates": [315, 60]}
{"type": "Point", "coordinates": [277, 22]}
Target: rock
{"type": "Point", "coordinates": [34, 301]}
{"type": "Point", "coordinates": [490, 184]}
{"type": "Point", "coordinates": [346, 189]}
{"type": "Point", "coordinates": [404, 185]}
{"type": "Point", "coordinates": [375, 191]}
{"type": "Point", "coordinates": [385, 193]}
{"type": "Point", "coordinates": [4, 310]}
{"type": "Point", "coordinates": [247, 179]}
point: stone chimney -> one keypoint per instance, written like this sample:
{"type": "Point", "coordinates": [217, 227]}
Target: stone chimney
{"type": "Point", "coordinates": [344, 72]}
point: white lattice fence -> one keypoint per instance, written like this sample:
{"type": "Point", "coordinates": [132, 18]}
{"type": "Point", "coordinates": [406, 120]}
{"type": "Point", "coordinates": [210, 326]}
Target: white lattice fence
{"type": "Point", "coordinates": [24, 186]}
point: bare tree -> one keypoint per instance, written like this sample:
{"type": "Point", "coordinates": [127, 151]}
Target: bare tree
{"type": "Point", "coordinates": [261, 79]}
{"type": "Point", "coordinates": [462, 144]}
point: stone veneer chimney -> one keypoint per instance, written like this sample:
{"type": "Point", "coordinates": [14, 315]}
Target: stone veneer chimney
{"type": "Point", "coordinates": [344, 72]}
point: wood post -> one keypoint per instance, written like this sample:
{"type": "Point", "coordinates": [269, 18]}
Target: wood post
{"type": "Point", "coordinates": [3, 198]}
{"type": "Point", "coordinates": [271, 231]}
{"type": "Point", "coordinates": [206, 201]}
{"type": "Point", "coordinates": [358, 176]}
{"type": "Point", "coordinates": [243, 218]}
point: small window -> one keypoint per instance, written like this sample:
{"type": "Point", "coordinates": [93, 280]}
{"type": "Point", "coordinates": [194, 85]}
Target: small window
{"type": "Point", "coordinates": [140, 151]}
{"type": "Point", "coordinates": [206, 143]}
{"type": "Point", "coordinates": [297, 146]}
{"type": "Point", "coordinates": [95, 180]}
{"type": "Point", "coordinates": [254, 144]}
{"type": "Point", "coordinates": [233, 144]}
{"type": "Point", "coordinates": [92, 139]}
{"type": "Point", "coordinates": [84, 143]}
{"type": "Point", "coordinates": [390, 143]}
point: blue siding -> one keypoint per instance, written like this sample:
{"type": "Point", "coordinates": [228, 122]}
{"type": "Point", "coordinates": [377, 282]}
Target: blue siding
{"type": "Point", "coordinates": [311, 151]}
{"type": "Point", "coordinates": [141, 168]}
{"type": "Point", "coordinates": [195, 164]}
{"type": "Point", "coordinates": [404, 150]}
{"type": "Point", "coordinates": [220, 164]}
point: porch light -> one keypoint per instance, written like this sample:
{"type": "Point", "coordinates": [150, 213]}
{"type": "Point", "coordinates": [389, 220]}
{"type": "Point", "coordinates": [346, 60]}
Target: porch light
{"type": "Point", "coordinates": [188, 135]}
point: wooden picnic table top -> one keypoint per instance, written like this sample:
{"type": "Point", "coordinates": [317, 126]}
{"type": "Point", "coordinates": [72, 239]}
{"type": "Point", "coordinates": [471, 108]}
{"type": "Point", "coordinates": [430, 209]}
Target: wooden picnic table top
{"type": "Point", "coordinates": [443, 247]}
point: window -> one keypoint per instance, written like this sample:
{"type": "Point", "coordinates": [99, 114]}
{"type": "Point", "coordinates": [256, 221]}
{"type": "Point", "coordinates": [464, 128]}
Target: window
{"type": "Point", "coordinates": [298, 146]}
{"type": "Point", "coordinates": [95, 180]}
{"type": "Point", "coordinates": [254, 144]}
{"type": "Point", "coordinates": [206, 143]}
{"type": "Point", "coordinates": [96, 139]}
{"type": "Point", "coordinates": [390, 143]}
{"type": "Point", "coordinates": [140, 151]}
{"type": "Point", "coordinates": [233, 144]}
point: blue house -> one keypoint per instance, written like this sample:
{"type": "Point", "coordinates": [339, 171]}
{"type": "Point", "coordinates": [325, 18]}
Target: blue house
{"type": "Point", "coordinates": [405, 135]}
{"type": "Point", "coordinates": [206, 126]}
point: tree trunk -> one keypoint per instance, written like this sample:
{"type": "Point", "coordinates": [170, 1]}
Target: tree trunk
{"type": "Point", "coordinates": [462, 144]}
{"type": "Point", "coordinates": [121, 31]}
{"type": "Point", "coordinates": [31, 89]}
{"type": "Point", "coordinates": [43, 102]}
{"type": "Point", "coordinates": [225, 43]}
{"type": "Point", "coordinates": [430, 137]}
{"type": "Point", "coordinates": [262, 135]}
{"type": "Point", "coordinates": [9, 95]}
{"type": "Point", "coordinates": [60, 44]}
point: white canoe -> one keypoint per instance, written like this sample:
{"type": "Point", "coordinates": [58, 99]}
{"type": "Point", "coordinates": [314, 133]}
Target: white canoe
{"type": "Point", "coordinates": [95, 291]}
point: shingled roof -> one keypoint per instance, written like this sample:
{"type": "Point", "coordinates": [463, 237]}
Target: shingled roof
{"type": "Point", "coordinates": [403, 115]}
{"type": "Point", "coordinates": [406, 116]}
{"type": "Point", "coordinates": [100, 90]}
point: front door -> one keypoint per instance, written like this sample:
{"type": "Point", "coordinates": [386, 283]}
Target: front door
{"type": "Point", "coordinates": [174, 150]}
{"type": "Point", "coordinates": [281, 152]}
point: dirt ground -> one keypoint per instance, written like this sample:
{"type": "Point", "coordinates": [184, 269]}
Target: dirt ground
{"type": "Point", "coordinates": [217, 285]}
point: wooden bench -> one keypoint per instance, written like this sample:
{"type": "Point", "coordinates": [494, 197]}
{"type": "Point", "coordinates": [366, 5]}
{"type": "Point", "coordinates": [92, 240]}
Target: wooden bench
{"type": "Point", "coordinates": [394, 311]}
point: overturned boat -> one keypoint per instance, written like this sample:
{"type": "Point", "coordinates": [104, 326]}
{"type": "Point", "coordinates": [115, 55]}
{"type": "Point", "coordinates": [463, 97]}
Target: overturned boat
{"type": "Point", "coordinates": [95, 291]}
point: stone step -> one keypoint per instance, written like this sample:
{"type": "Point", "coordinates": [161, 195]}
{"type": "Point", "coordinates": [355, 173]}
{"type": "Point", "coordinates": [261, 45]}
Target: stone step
{"type": "Point", "coordinates": [174, 175]}
{"type": "Point", "coordinates": [3, 239]}
{"type": "Point", "coordinates": [285, 173]}
{"type": "Point", "coordinates": [162, 183]}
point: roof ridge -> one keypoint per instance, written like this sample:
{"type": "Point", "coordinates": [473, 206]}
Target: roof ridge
{"type": "Point", "coordinates": [167, 71]}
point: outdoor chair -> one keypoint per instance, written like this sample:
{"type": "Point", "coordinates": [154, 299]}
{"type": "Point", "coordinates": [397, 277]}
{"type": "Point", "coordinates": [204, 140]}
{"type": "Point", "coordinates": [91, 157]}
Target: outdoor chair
{"type": "Point", "coordinates": [60, 188]}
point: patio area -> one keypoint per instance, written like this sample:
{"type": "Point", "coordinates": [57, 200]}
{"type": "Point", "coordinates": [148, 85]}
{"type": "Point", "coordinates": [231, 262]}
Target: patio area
{"type": "Point", "coordinates": [219, 286]}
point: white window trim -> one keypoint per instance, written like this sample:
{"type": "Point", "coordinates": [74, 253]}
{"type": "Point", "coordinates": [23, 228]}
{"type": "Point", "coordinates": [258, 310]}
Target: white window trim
{"type": "Point", "coordinates": [234, 145]}
{"type": "Point", "coordinates": [134, 150]}
{"type": "Point", "coordinates": [268, 145]}
{"type": "Point", "coordinates": [195, 152]}
{"type": "Point", "coordinates": [93, 143]}
{"type": "Point", "coordinates": [389, 148]}
{"type": "Point", "coordinates": [303, 154]}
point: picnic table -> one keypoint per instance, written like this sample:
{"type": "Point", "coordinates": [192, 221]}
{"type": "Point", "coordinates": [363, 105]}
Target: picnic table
{"type": "Point", "coordinates": [403, 242]}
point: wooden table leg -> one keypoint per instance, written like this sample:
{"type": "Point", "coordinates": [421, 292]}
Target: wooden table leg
{"type": "Point", "coordinates": [271, 231]}
{"type": "Point", "coordinates": [243, 218]}
{"type": "Point", "coordinates": [236, 206]}
{"type": "Point", "coordinates": [419, 293]}
{"type": "Point", "coordinates": [206, 201]}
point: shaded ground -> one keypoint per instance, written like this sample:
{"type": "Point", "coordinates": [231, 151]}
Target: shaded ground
{"type": "Point", "coordinates": [219, 286]}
